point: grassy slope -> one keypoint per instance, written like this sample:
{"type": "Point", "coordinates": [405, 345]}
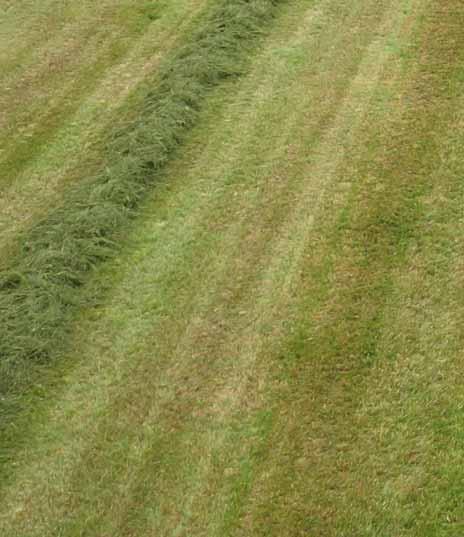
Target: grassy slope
{"type": "Point", "coordinates": [280, 353]}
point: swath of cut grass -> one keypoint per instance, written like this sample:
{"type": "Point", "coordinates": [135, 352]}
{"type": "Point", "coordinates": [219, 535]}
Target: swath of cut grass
{"type": "Point", "coordinates": [40, 288]}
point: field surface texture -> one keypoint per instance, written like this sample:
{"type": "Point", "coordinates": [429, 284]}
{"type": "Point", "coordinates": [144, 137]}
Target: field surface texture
{"type": "Point", "coordinates": [231, 271]}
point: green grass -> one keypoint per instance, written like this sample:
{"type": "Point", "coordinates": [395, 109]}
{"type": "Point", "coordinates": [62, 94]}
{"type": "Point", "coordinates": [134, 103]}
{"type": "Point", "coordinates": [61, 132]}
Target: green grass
{"type": "Point", "coordinates": [276, 348]}
{"type": "Point", "coordinates": [40, 291]}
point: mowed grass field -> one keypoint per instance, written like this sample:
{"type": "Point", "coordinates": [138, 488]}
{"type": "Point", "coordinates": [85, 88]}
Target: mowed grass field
{"type": "Point", "coordinates": [275, 348]}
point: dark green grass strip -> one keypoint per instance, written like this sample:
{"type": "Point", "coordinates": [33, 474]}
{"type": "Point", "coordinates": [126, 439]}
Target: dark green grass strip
{"type": "Point", "coordinates": [41, 288]}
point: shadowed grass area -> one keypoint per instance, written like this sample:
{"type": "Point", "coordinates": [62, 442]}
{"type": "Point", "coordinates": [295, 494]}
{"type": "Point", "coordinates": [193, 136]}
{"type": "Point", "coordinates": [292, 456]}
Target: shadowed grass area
{"type": "Point", "coordinates": [41, 288]}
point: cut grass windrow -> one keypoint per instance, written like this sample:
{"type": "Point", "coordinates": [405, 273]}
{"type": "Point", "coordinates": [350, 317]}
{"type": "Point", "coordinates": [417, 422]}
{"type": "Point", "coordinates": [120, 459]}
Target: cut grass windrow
{"type": "Point", "coordinates": [41, 288]}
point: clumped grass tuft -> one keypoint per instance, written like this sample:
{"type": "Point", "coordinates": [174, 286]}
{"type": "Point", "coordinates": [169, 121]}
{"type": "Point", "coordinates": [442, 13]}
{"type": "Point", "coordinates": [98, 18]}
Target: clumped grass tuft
{"type": "Point", "coordinates": [40, 288]}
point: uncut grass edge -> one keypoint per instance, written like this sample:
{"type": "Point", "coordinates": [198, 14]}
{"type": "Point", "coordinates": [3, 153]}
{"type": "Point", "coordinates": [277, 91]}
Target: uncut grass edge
{"type": "Point", "coordinates": [41, 288]}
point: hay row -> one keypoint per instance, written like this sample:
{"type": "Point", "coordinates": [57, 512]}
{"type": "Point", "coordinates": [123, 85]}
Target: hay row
{"type": "Point", "coordinates": [41, 289]}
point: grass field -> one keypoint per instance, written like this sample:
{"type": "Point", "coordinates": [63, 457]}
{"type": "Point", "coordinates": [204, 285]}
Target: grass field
{"type": "Point", "coordinates": [273, 347]}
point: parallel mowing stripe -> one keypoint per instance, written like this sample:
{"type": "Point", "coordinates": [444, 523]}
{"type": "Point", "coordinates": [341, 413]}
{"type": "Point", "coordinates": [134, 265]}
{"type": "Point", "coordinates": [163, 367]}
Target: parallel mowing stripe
{"type": "Point", "coordinates": [40, 289]}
